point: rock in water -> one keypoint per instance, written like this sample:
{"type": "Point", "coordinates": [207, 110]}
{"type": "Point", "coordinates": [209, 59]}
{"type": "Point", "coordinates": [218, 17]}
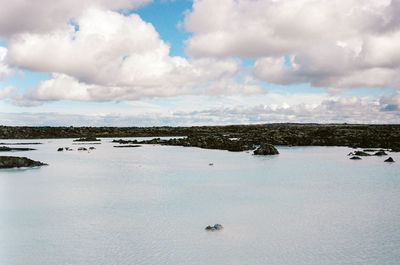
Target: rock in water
{"type": "Point", "coordinates": [216, 227]}
{"type": "Point", "coordinates": [13, 161]}
{"type": "Point", "coordinates": [361, 153]}
{"type": "Point", "coordinates": [355, 158]}
{"type": "Point", "coordinates": [390, 159]}
{"type": "Point", "coordinates": [60, 149]}
{"type": "Point", "coordinates": [380, 153]}
{"type": "Point", "coordinates": [266, 149]}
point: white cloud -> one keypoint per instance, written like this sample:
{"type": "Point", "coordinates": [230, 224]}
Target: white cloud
{"type": "Point", "coordinates": [5, 70]}
{"type": "Point", "coordinates": [332, 44]}
{"type": "Point", "coordinates": [17, 16]}
{"type": "Point", "coordinates": [116, 57]}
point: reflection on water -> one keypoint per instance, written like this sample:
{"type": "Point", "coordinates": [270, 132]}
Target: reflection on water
{"type": "Point", "coordinates": [150, 205]}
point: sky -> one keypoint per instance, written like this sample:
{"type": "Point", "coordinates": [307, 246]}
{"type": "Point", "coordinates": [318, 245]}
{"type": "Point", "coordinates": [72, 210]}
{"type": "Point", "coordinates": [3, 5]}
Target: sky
{"type": "Point", "coordinates": [201, 62]}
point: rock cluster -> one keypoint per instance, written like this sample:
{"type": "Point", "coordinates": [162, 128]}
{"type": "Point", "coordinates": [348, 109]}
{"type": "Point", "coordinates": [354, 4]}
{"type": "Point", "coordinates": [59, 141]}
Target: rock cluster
{"type": "Point", "coordinates": [216, 227]}
{"type": "Point", "coordinates": [13, 161]}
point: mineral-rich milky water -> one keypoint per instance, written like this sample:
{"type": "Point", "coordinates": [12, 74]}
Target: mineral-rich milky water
{"type": "Point", "coordinates": [150, 205]}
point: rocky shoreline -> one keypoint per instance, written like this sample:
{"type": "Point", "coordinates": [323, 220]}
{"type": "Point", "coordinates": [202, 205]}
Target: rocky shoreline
{"type": "Point", "coordinates": [285, 134]}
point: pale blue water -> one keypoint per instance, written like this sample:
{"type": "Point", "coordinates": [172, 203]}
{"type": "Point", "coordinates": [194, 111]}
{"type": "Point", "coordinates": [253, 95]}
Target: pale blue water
{"type": "Point", "coordinates": [150, 205]}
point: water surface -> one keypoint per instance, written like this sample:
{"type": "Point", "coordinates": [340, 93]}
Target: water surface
{"type": "Point", "coordinates": [149, 205]}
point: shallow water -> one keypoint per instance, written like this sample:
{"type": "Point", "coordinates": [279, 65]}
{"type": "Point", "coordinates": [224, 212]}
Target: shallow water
{"type": "Point", "coordinates": [150, 205]}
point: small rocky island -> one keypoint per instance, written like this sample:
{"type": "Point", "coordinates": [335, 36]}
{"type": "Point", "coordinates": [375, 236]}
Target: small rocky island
{"type": "Point", "coordinates": [10, 149]}
{"type": "Point", "coordinates": [17, 162]}
{"type": "Point", "coordinates": [213, 228]}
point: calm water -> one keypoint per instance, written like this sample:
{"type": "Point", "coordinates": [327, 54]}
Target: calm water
{"type": "Point", "coordinates": [149, 205]}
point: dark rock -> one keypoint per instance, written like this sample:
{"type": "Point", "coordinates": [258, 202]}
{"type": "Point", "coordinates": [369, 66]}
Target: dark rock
{"type": "Point", "coordinates": [361, 153]}
{"type": "Point", "coordinates": [380, 153]}
{"type": "Point", "coordinates": [216, 227]}
{"type": "Point", "coordinates": [390, 159]}
{"type": "Point", "coordinates": [9, 149]}
{"type": "Point", "coordinates": [120, 141]}
{"type": "Point", "coordinates": [266, 149]}
{"type": "Point", "coordinates": [12, 162]}
{"type": "Point", "coordinates": [92, 148]}
{"type": "Point", "coordinates": [82, 149]}
{"type": "Point", "coordinates": [60, 149]}
{"type": "Point", "coordinates": [87, 139]}
{"type": "Point", "coordinates": [19, 143]}
{"type": "Point", "coordinates": [355, 158]}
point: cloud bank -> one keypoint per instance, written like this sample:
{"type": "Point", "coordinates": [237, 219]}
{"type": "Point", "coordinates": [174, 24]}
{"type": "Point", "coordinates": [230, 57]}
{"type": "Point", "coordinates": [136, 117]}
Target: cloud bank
{"type": "Point", "coordinates": [333, 44]}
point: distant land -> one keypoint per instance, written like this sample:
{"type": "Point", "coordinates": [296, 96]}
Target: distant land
{"type": "Point", "coordinates": [287, 134]}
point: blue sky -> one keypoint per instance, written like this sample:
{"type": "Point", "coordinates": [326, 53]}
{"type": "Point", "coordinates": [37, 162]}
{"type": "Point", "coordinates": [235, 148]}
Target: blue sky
{"type": "Point", "coordinates": [208, 62]}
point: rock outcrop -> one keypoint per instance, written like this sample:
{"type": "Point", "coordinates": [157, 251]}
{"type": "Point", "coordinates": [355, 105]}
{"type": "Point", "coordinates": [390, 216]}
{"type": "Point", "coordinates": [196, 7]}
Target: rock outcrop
{"type": "Point", "coordinates": [10, 149]}
{"type": "Point", "coordinates": [266, 149]}
{"type": "Point", "coordinates": [13, 161]}
{"type": "Point", "coordinates": [390, 159]}
{"type": "Point", "coordinates": [216, 227]}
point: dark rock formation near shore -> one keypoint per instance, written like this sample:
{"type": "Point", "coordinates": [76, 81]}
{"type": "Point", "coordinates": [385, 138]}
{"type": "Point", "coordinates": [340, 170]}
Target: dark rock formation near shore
{"type": "Point", "coordinates": [288, 134]}
{"type": "Point", "coordinates": [380, 153]}
{"type": "Point", "coordinates": [19, 143]}
{"type": "Point", "coordinates": [219, 142]}
{"type": "Point", "coordinates": [361, 153]}
{"type": "Point", "coordinates": [355, 158]}
{"type": "Point", "coordinates": [13, 161]}
{"type": "Point", "coordinates": [87, 139]}
{"type": "Point", "coordinates": [266, 149]}
{"type": "Point", "coordinates": [121, 141]}
{"type": "Point", "coordinates": [10, 149]}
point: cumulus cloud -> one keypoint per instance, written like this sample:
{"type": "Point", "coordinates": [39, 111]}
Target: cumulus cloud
{"type": "Point", "coordinates": [333, 44]}
{"type": "Point", "coordinates": [5, 70]}
{"type": "Point", "coordinates": [19, 16]}
{"type": "Point", "coordinates": [115, 57]}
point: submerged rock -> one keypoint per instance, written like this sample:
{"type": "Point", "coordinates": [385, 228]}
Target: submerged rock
{"type": "Point", "coordinates": [216, 227]}
{"type": "Point", "coordinates": [82, 149]}
{"type": "Point", "coordinates": [13, 161]}
{"type": "Point", "coordinates": [390, 159]}
{"type": "Point", "coordinates": [60, 149]}
{"type": "Point", "coordinates": [92, 148]}
{"type": "Point", "coordinates": [266, 149]}
{"type": "Point", "coordinates": [355, 158]}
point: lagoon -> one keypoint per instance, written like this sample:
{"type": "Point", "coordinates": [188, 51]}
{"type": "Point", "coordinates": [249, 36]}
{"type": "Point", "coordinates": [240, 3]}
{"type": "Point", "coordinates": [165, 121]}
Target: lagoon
{"type": "Point", "coordinates": [150, 205]}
